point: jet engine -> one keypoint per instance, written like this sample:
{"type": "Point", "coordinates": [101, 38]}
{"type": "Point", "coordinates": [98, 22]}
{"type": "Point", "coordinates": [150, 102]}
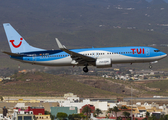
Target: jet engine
{"type": "Point", "coordinates": [103, 63]}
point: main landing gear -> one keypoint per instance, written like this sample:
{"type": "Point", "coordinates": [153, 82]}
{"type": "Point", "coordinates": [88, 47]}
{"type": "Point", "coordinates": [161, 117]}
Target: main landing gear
{"type": "Point", "coordinates": [150, 66]}
{"type": "Point", "coordinates": [85, 69]}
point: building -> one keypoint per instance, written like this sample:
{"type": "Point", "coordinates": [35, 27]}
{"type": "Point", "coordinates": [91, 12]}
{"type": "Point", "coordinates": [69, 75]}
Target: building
{"type": "Point", "coordinates": [100, 105]}
{"type": "Point", "coordinates": [25, 117]}
{"type": "Point", "coordinates": [71, 97]}
{"type": "Point", "coordinates": [67, 110]}
{"type": "Point", "coordinates": [22, 115]}
{"type": "Point", "coordinates": [37, 110]}
{"type": "Point", "coordinates": [42, 117]}
{"type": "Point", "coordinates": [92, 107]}
{"type": "Point", "coordinates": [79, 105]}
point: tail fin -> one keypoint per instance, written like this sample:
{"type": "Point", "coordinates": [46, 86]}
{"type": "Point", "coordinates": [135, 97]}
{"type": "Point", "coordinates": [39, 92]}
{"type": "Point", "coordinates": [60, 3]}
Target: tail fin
{"type": "Point", "coordinates": [16, 42]}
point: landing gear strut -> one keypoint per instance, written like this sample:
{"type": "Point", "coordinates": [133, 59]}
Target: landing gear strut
{"type": "Point", "coordinates": [150, 66]}
{"type": "Point", "coordinates": [85, 69]}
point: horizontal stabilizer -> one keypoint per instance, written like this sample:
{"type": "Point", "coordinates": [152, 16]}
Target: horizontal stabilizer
{"type": "Point", "coordinates": [12, 54]}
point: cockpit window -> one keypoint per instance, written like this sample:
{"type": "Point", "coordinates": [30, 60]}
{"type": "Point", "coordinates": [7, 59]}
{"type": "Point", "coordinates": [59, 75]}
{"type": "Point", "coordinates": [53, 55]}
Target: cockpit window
{"type": "Point", "coordinates": [156, 50]}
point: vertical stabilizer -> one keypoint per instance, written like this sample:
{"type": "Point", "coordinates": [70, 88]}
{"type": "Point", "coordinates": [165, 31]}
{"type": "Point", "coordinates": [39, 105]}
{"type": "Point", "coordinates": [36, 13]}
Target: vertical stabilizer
{"type": "Point", "coordinates": [16, 42]}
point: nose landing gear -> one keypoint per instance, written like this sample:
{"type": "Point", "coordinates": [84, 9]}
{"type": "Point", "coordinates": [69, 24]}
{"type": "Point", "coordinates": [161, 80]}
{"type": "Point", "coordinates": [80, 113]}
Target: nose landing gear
{"type": "Point", "coordinates": [85, 69]}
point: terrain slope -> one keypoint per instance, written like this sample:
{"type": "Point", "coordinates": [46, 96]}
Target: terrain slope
{"type": "Point", "coordinates": [43, 84]}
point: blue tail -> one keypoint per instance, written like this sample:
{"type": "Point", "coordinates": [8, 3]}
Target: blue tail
{"type": "Point", "coordinates": [16, 42]}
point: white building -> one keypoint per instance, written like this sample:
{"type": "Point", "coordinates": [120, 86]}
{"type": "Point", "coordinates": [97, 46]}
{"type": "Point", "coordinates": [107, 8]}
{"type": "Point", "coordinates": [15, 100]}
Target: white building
{"type": "Point", "coordinates": [100, 105]}
{"type": "Point", "coordinates": [79, 105]}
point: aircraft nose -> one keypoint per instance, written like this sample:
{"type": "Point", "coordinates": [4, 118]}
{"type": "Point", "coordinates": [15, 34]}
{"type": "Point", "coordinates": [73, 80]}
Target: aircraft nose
{"type": "Point", "coordinates": [164, 55]}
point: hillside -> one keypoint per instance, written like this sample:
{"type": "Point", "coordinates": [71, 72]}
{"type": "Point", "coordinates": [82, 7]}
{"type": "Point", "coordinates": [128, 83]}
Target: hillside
{"type": "Point", "coordinates": [63, 15]}
{"type": "Point", "coordinates": [43, 84]}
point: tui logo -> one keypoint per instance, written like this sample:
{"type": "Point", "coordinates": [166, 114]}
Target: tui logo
{"type": "Point", "coordinates": [139, 51]}
{"type": "Point", "coordinates": [16, 46]}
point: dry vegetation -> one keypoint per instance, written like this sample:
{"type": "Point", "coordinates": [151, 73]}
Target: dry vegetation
{"type": "Point", "coordinates": [43, 84]}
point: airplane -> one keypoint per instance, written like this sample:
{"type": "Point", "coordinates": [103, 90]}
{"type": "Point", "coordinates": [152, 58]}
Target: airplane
{"type": "Point", "coordinates": [99, 57]}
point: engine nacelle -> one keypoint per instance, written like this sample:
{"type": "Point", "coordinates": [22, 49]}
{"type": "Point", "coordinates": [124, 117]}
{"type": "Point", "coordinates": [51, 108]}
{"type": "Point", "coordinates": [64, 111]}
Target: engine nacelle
{"type": "Point", "coordinates": [103, 63]}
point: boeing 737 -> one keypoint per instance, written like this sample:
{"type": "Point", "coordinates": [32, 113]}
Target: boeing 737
{"type": "Point", "coordinates": [99, 57]}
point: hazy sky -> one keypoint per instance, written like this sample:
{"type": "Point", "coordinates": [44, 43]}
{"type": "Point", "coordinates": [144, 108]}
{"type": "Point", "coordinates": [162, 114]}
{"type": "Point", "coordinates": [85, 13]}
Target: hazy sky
{"type": "Point", "coordinates": [151, 0]}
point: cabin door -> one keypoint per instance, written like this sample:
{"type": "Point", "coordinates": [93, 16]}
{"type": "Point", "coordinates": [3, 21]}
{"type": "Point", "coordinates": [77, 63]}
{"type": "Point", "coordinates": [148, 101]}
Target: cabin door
{"type": "Point", "coordinates": [147, 51]}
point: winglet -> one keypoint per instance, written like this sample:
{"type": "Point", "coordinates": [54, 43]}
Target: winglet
{"type": "Point", "coordinates": [59, 44]}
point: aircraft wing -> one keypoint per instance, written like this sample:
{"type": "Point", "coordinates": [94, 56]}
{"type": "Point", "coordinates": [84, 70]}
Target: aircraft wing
{"type": "Point", "coordinates": [12, 54]}
{"type": "Point", "coordinates": [76, 56]}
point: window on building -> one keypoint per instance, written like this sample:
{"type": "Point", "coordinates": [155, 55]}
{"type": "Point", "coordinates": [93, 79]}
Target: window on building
{"type": "Point", "coordinates": [19, 117]}
{"type": "Point", "coordinates": [27, 118]}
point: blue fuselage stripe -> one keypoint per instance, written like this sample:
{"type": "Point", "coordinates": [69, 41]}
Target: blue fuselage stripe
{"type": "Point", "coordinates": [132, 51]}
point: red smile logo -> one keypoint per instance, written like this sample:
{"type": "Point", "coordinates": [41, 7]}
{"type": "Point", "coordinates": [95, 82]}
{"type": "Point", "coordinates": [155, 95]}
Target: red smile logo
{"type": "Point", "coordinates": [16, 46]}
